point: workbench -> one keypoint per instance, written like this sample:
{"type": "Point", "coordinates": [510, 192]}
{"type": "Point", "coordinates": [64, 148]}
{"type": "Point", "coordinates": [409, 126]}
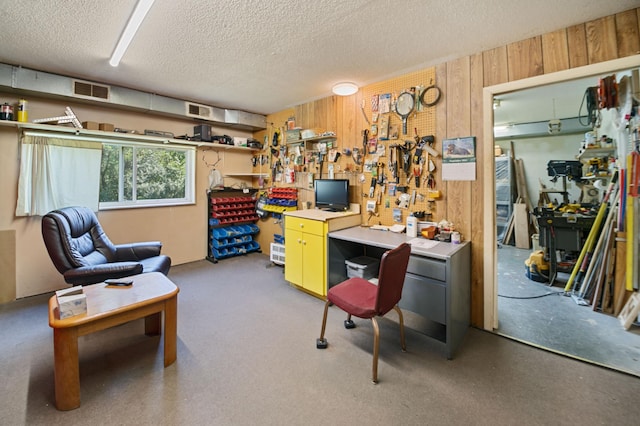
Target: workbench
{"type": "Point", "coordinates": [562, 231]}
{"type": "Point", "coordinates": [437, 283]}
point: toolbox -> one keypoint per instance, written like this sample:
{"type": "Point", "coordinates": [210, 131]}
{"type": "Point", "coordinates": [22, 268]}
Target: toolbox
{"type": "Point", "coordinates": [362, 267]}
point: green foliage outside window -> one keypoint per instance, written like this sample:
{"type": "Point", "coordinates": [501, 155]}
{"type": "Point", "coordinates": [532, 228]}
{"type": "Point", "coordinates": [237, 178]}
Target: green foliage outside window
{"type": "Point", "coordinates": [141, 173]}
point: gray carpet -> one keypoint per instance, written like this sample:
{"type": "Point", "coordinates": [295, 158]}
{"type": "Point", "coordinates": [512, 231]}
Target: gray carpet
{"type": "Point", "coordinates": [247, 356]}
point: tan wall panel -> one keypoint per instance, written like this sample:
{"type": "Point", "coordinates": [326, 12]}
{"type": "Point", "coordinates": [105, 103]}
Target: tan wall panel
{"type": "Point", "coordinates": [495, 66]}
{"type": "Point", "coordinates": [627, 37]}
{"type": "Point", "coordinates": [442, 120]}
{"type": "Point", "coordinates": [475, 232]}
{"type": "Point", "coordinates": [601, 39]}
{"type": "Point", "coordinates": [458, 193]}
{"type": "Point", "coordinates": [525, 58]}
{"type": "Point", "coordinates": [555, 51]}
{"type": "Point", "coordinates": [577, 45]}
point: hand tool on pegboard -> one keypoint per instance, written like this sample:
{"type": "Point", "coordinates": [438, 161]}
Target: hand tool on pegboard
{"type": "Point", "coordinates": [406, 156]}
{"type": "Point", "coordinates": [381, 176]}
{"type": "Point", "coordinates": [372, 188]}
{"type": "Point", "coordinates": [417, 171]}
{"type": "Point", "coordinates": [393, 163]}
{"type": "Point", "coordinates": [364, 112]}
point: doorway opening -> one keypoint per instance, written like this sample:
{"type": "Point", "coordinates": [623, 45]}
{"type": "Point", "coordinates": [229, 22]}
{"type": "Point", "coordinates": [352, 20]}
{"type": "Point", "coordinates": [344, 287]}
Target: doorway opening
{"type": "Point", "coordinates": [534, 312]}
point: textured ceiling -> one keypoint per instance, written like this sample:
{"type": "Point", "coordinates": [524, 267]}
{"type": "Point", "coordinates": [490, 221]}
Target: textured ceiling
{"type": "Point", "coordinates": [264, 56]}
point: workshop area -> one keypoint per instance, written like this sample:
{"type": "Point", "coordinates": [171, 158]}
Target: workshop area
{"type": "Point", "coordinates": [564, 277]}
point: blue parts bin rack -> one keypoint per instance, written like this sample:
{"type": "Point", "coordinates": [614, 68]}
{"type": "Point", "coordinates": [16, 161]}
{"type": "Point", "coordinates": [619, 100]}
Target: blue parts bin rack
{"type": "Point", "coordinates": [230, 229]}
{"type": "Point", "coordinates": [232, 240]}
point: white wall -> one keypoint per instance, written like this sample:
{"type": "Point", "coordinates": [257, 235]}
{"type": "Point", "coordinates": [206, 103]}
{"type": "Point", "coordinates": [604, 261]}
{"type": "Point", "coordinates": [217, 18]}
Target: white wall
{"type": "Point", "coordinates": [536, 153]}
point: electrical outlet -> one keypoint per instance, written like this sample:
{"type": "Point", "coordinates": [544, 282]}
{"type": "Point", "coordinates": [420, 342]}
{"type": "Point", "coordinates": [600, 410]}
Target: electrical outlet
{"type": "Point", "coordinates": [371, 206]}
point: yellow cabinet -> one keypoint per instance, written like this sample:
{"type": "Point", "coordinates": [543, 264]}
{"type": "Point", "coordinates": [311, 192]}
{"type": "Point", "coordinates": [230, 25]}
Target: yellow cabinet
{"type": "Point", "coordinates": [305, 237]}
{"type": "Point", "coordinates": [305, 253]}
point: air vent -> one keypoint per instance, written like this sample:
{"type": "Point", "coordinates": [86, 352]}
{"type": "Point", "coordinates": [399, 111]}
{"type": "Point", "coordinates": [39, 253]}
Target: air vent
{"type": "Point", "coordinates": [199, 111]}
{"type": "Point", "coordinates": [90, 90]}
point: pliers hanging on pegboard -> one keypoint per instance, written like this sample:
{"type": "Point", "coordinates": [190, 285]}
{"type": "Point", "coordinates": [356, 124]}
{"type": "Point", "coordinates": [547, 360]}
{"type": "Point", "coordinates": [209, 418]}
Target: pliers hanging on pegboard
{"type": "Point", "coordinates": [430, 181]}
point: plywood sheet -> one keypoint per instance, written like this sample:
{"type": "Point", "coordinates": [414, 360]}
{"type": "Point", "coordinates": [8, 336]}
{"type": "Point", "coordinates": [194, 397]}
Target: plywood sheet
{"type": "Point", "coordinates": [521, 225]}
{"type": "Point", "coordinates": [7, 265]}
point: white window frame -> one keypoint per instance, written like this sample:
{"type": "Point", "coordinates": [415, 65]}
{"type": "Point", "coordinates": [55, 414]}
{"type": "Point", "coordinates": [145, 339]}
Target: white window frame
{"type": "Point", "coordinates": [190, 180]}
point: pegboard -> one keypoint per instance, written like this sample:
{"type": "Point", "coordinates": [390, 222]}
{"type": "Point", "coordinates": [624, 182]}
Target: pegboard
{"type": "Point", "coordinates": [421, 121]}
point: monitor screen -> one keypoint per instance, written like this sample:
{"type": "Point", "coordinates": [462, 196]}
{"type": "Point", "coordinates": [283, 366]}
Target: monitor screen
{"type": "Point", "coordinates": [332, 194]}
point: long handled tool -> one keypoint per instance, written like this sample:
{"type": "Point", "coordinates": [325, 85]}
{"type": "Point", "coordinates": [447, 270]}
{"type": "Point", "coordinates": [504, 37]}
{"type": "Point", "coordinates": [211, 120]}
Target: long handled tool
{"type": "Point", "coordinates": [587, 250]}
{"type": "Point", "coordinates": [597, 260]}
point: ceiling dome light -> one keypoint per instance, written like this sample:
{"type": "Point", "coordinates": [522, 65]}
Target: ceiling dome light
{"type": "Point", "coordinates": [345, 89]}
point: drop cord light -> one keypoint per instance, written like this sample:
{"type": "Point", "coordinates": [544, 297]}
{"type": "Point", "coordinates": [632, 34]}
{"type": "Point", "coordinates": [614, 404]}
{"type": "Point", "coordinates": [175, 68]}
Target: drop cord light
{"type": "Point", "coordinates": [130, 30]}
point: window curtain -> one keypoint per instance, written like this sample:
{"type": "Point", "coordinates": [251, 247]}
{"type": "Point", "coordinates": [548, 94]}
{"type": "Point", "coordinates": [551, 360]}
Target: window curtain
{"type": "Point", "coordinates": [57, 172]}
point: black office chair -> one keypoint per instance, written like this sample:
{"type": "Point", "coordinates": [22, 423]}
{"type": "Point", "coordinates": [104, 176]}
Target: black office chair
{"type": "Point", "coordinates": [83, 254]}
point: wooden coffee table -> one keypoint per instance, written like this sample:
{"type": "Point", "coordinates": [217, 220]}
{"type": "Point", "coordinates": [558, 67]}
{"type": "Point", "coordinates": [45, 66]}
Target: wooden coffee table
{"type": "Point", "coordinates": [108, 306]}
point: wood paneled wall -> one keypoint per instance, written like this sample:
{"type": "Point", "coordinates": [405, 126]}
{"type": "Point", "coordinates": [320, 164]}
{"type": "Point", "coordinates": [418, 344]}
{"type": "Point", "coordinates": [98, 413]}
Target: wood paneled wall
{"type": "Point", "coordinates": [460, 111]}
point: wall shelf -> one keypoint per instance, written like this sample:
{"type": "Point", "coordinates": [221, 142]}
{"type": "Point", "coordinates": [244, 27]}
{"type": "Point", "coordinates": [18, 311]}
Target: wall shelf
{"type": "Point", "coordinates": [313, 139]}
{"type": "Point", "coordinates": [135, 137]}
{"type": "Point", "coordinates": [257, 175]}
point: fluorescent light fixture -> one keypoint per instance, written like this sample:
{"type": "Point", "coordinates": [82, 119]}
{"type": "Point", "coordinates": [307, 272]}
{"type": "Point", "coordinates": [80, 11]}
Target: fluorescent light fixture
{"type": "Point", "coordinates": [135, 20]}
{"type": "Point", "coordinates": [345, 89]}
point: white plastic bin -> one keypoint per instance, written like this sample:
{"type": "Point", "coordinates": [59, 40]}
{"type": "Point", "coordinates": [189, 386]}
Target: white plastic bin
{"type": "Point", "coordinates": [362, 267]}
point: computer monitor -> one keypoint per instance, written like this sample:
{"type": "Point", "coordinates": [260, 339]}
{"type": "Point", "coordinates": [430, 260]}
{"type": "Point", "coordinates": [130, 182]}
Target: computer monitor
{"type": "Point", "coordinates": [331, 194]}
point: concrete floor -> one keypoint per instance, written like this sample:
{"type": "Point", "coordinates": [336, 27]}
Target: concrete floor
{"type": "Point", "coordinates": [556, 322]}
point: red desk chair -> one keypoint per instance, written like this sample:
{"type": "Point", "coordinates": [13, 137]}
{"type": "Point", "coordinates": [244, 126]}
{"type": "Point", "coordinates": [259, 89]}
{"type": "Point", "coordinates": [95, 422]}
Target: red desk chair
{"type": "Point", "coordinates": [359, 297]}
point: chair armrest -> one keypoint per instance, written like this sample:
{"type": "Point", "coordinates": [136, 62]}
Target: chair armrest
{"type": "Point", "coordinates": [98, 273]}
{"type": "Point", "coordinates": [137, 251]}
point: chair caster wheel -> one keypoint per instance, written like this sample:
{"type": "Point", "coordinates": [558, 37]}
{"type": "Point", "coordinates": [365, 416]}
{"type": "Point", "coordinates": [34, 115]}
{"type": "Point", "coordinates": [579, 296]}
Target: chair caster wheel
{"type": "Point", "coordinates": [321, 344]}
{"type": "Point", "coordinates": [348, 324]}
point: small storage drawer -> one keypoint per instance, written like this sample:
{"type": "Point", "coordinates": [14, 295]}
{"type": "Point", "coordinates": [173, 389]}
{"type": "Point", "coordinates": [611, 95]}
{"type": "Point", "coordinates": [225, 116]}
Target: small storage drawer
{"type": "Point", "coordinates": [310, 226]}
{"type": "Point", "coordinates": [425, 297]}
{"type": "Point", "coordinates": [427, 267]}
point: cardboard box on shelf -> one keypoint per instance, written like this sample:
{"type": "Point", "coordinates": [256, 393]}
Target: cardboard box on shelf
{"type": "Point", "coordinates": [106, 127]}
{"type": "Point", "coordinates": [90, 125]}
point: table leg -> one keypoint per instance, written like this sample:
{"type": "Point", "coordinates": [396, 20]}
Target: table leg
{"type": "Point", "coordinates": [152, 324]}
{"type": "Point", "coordinates": [66, 368]}
{"type": "Point", "coordinates": [170, 330]}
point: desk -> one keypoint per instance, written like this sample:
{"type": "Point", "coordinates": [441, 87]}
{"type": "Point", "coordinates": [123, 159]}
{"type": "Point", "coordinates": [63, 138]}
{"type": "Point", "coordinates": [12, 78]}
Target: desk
{"type": "Point", "coordinates": [108, 306]}
{"type": "Point", "coordinates": [437, 283]}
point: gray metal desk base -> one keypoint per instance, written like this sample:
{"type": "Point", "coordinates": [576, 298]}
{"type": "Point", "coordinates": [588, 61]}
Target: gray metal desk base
{"type": "Point", "coordinates": [437, 284]}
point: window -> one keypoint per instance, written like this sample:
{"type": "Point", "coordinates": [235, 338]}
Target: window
{"type": "Point", "coordinates": [137, 175]}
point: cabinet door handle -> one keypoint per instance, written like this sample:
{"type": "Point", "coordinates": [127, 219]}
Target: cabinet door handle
{"type": "Point", "coordinates": [304, 243]}
{"type": "Point", "coordinates": [299, 240]}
